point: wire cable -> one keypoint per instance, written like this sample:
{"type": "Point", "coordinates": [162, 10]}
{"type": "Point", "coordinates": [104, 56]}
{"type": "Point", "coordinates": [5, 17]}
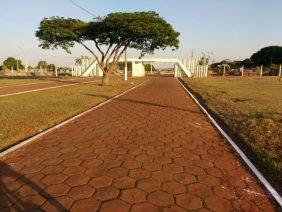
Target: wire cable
{"type": "Point", "coordinates": [82, 8]}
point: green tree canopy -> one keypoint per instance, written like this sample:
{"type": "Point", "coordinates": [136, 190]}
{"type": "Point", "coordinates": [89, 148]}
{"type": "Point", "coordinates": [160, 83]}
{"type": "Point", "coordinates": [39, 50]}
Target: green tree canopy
{"type": "Point", "coordinates": [51, 67]}
{"type": "Point", "coordinates": [144, 31]}
{"type": "Point", "coordinates": [42, 64]}
{"type": "Point", "coordinates": [148, 67]}
{"type": "Point", "coordinates": [12, 62]}
{"type": "Point", "coordinates": [268, 55]}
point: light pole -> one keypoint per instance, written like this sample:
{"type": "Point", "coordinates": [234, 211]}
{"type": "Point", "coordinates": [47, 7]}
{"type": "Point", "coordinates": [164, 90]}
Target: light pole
{"type": "Point", "coordinates": [125, 64]}
{"type": "Point", "coordinates": [25, 55]}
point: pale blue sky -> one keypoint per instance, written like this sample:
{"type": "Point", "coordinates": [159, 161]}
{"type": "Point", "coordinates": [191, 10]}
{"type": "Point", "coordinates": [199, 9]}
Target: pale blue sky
{"type": "Point", "coordinates": [232, 29]}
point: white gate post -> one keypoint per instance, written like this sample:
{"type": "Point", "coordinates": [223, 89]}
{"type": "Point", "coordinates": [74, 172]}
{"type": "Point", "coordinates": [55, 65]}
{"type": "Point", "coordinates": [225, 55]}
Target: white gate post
{"type": "Point", "coordinates": [280, 70]}
{"type": "Point", "coordinates": [261, 68]}
{"type": "Point", "coordinates": [12, 72]}
{"type": "Point", "coordinates": [125, 65]}
{"type": "Point", "coordinates": [175, 70]}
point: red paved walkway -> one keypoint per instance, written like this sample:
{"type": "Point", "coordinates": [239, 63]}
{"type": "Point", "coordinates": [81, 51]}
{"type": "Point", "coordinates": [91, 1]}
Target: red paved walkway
{"type": "Point", "coordinates": [150, 150]}
{"type": "Point", "coordinates": [43, 85]}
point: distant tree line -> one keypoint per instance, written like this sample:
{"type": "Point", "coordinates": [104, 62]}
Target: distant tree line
{"type": "Point", "coordinates": [16, 64]}
{"type": "Point", "coordinates": [270, 57]}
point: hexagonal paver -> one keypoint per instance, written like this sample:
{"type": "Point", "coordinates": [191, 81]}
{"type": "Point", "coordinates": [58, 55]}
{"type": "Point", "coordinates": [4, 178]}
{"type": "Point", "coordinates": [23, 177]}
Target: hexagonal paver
{"type": "Point", "coordinates": [173, 187]}
{"type": "Point", "coordinates": [73, 170]}
{"type": "Point", "coordinates": [53, 179]}
{"type": "Point", "coordinates": [194, 170]}
{"type": "Point", "coordinates": [172, 168]}
{"type": "Point", "coordinates": [209, 180]}
{"type": "Point", "coordinates": [71, 162]}
{"type": "Point", "coordinates": [99, 182]}
{"type": "Point", "coordinates": [111, 163]}
{"type": "Point", "coordinates": [243, 205]}
{"type": "Point", "coordinates": [142, 207]}
{"type": "Point", "coordinates": [160, 198]}
{"type": "Point", "coordinates": [217, 204]}
{"type": "Point", "coordinates": [77, 180]}
{"type": "Point", "coordinates": [89, 204]}
{"type": "Point", "coordinates": [163, 160]}
{"type": "Point", "coordinates": [149, 184]}
{"type": "Point", "coordinates": [57, 190]}
{"type": "Point", "coordinates": [152, 166]}
{"type": "Point", "coordinates": [106, 193]}
{"type": "Point", "coordinates": [133, 195]}
{"type": "Point", "coordinates": [132, 164]}
{"type": "Point", "coordinates": [162, 176]}
{"type": "Point", "coordinates": [124, 182]}
{"type": "Point", "coordinates": [54, 169]}
{"type": "Point", "coordinates": [139, 173]}
{"type": "Point", "coordinates": [185, 178]}
{"type": "Point", "coordinates": [58, 204]}
{"type": "Point", "coordinates": [199, 189]}
{"type": "Point", "coordinates": [27, 190]}
{"type": "Point", "coordinates": [144, 158]}
{"type": "Point", "coordinates": [92, 163]}
{"type": "Point", "coordinates": [95, 171]}
{"type": "Point", "coordinates": [188, 201]}
{"type": "Point", "coordinates": [114, 205]}
{"type": "Point", "coordinates": [117, 172]}
{"type": "Point", "coordinates": [81, 192]}
{"type": "Point", "coordinates": [32, 202]}
{"type": "Point", "coordinates": [174, 208]}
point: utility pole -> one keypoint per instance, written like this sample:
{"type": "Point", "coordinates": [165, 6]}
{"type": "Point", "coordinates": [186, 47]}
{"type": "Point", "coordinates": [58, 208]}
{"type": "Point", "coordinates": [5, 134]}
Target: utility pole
{"type": "Point", "coordinates": [125, 64]}
{"type": "Point", "coordinates": [224, 67]}
{"type": "Point", "coordinates": [192, 53]}
{"type": "Point", "coordinates": [279, 74]}
{"type": "Point", "coordinates": [12, 71]}
{"type": "Point", "coordinates": [56, 71]}
{"type": "Point", "coordinates": [25, 55]}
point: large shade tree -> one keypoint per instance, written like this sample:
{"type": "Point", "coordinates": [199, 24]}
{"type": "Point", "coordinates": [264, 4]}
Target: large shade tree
{"type": "Point", "coordinates": [268, 55]}
{"type": "Point", "coordinates": [111, 36]}
{"type": "Point", "coordinates": [14, 63]}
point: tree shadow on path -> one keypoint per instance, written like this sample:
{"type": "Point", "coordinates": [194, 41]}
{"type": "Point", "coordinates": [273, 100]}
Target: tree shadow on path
{"type": "Point", "coordinates": [144, 103]}
{"type": "Point", "coordinates": [9, 198]}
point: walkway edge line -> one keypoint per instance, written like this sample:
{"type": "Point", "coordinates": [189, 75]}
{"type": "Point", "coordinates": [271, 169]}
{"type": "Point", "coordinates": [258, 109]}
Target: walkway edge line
{"type": "Point", "coordinates": [42, 89]}
{"type": "Point", "coordinates": [24, 142]}
{"type": "Point", "coordinates": [243, 156]}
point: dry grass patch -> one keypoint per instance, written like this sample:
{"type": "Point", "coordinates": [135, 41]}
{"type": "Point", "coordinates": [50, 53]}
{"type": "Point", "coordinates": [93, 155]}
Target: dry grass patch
{"type": "Point", "coordinates": [26, 114]}
{"type": "Point", "coordinates": [17, 81]}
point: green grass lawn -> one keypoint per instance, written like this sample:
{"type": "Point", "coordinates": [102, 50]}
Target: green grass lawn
{"type": "Point", "coordinates": [26, 114]}
{"type": "Point", "coordinates": [251, 109]}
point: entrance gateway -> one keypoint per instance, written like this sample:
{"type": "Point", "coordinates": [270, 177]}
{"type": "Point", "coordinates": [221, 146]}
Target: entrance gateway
{"type": "Point", "coordinates": [182, 68]}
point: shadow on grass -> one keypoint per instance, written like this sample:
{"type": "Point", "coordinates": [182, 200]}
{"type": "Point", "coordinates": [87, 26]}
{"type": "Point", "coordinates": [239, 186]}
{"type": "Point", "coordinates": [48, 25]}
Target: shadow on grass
{"type": "Point", "coordinates": [12, 199]}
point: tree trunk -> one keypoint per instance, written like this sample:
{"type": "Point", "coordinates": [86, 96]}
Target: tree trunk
{"type": "Point", "coordinates": [106, 79]}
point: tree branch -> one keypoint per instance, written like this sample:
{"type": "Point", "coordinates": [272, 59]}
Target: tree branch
{"type": "Point", "coordinates": [110, 46]}
{"type": "Point", "coordinates": [99, 49]}
{"type": "Point", "coordinates": [117, 57]}
{"type": "Point", "coordinates": [95, 56]}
